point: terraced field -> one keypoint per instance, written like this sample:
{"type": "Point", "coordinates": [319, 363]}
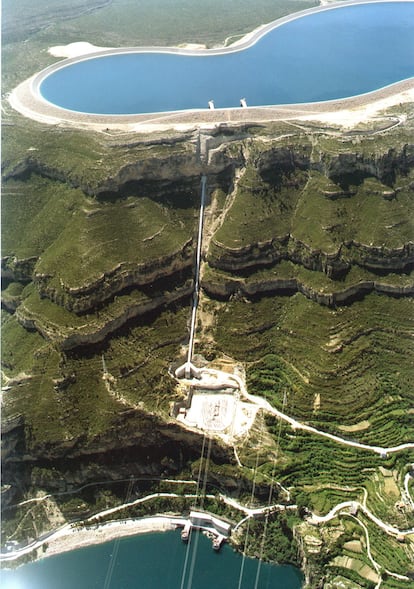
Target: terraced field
{"type": "Point", "coordinates": [306, 283]}
{"type": "Point", "coordinates": [325, 331]}
{"type": "Point", "coordinates": [317, 356]}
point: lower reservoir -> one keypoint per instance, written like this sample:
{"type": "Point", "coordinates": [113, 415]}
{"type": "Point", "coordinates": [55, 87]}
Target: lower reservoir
{"type": "Point", "coordinates": [331, 54]}
{"type": "Point", "coordinates": [150, 561]}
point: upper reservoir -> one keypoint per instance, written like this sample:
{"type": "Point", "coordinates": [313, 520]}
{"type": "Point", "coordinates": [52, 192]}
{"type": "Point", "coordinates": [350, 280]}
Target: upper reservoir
{"type": "Point", "coordinates": [325, 55]}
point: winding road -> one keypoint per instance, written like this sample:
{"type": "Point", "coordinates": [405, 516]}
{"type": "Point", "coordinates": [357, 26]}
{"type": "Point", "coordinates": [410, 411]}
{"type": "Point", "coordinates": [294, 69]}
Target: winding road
{"type": "Point", "coordinates": [294, 423]}
{"type": "Point", "coordinates": [319, 519]}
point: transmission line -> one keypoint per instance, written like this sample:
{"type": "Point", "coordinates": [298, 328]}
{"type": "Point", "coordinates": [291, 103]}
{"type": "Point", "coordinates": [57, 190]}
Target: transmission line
{"type": "Point", "coordinates": [114, 554]}
{"type": "Point", "coordinates": [269, 502]}
{"type": "Point", "coordinates": [248, 521]}
{"type": "Point", "coordinates": [202, 496]}
{"type": "Point", "coordinates": [187, 552]}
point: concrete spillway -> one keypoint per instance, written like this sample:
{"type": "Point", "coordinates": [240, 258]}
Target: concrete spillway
{"type": "Point", "coordinates": [188, 369]}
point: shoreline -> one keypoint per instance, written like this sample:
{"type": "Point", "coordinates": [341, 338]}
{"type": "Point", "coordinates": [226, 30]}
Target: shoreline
{"type": "Point", "coordinates": [346, 112]}
{"type": "Point", "coordinates": [69, 537]}
{"type": "Point", "coordinates": [27, 100]}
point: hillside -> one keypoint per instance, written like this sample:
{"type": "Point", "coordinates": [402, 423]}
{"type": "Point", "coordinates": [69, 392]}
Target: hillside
{"type": "Point", "coordinates": [306, 283]}
{"type": "Point", "coordinates": [306, 294]}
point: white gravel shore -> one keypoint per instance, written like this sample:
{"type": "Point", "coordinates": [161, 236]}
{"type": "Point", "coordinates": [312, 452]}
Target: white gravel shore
{"type": "Point", "coordinates": [71, 537]}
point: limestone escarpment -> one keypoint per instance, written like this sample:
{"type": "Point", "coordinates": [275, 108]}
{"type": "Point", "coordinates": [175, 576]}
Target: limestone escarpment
{"type": "Point", "coordinates": [136, 231]}
{"type": "Point", "coordinates": [226, 288]}
{"type": "Point", "coordinates": [87, 297]}
{"type": "Point", "coordinates": [67, 334]}
{"type": "Point", "coordinates": [384, 165]}
{"type": "Point", "coordinates": [110, 260]}
{"type": "Point", "coordinates": [115, 170]}
{"type": "Point", "coordinates": [326, 213]}
{"type": "Point", "coordinates": [130, 428]}
{"type": "Point", "coordinates": [101, 318]}
{"type": "Point", "coordinates": [18, 270]}
{"type": "Point", "coordinates": [154, 165]}
{"type": "Point", "coordinates": [292, 202]}
{"type": "Point", "coordinates": [136, 444]}
{"type": "Point", "coordinates": [335, 264]}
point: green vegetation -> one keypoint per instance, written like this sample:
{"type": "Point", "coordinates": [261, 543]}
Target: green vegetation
{"type": "Point", "coordinates": [79, 207]}
{"type": "Point", "coordinates": [341, 553]}
{"type": "Point", "coordinates": [326, 462]}
{"type": "Point", "coordinates": [320, 356]}
{"type": "Point", "coordinates": [259, 210]}
{"type": "Point", "coordinates": [79, 157]}
{"type": "Point", "coordinates": [24, 18]}
{"type": "Point", "coordinates": [90, 161]}
{"type": "Point", "coordinates": [26, 523]}
{"type": "Point", "coordinates": [391, 554]}
{"type": "Point", "coordinates": [324, 474]}
{"type": "Point", "coordinates": [365, 216]}
{"type": "Point", "coordinates": [18, 355]}
{"type": "Point", "coordinates": [34, 220]}
{"type": "Point", "coordinates": [66, 396]}
{"type": "Point", "coordinates": [313, 281]}
{"type": "Point", "coordinates": [149, 231]}
{"type": "Point", "coordinates": [279, 544]}
{"type": "Point", "coordinates": [52, 414]}
{"type": "Point", "coordinates": [139, 358]}
{"type": "Point", "coordinates": [315, 211]}
{"type": "Point", "coordinates": [128, 22]}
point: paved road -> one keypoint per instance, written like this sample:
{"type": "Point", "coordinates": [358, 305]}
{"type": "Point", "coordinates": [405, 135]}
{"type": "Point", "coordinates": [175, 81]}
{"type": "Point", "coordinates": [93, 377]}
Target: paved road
{"type": "Point", "coordinates": [381, 450]}
{"type": "Point", "coordinates": [407, 477]}
{"type": "Point", "coordinates": [318, 519]}
{"type": "Point", "coordinates": [226, 380]}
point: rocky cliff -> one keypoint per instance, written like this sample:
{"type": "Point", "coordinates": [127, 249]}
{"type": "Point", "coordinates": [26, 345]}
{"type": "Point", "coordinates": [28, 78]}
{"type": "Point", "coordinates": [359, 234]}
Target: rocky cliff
{"type": "Point", "coordinates": [305, 198]}
{"type": "Point", "coordinates": [135, 445]}
{"type": "Point", "coordinates": [98, 263]}
{"type": "Point", "coordinates": [323, 212]}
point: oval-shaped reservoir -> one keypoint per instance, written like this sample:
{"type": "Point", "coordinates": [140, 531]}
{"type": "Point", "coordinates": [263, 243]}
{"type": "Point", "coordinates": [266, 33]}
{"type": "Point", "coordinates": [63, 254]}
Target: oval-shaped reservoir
{"type": "Point", "coordinates": [331, 54]}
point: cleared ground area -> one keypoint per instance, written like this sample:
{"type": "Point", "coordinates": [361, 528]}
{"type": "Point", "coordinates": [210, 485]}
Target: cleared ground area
{"type": "Point", "coordinates": [219, 412]}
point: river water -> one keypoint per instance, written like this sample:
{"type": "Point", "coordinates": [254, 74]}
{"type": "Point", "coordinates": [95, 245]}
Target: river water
{"type": "Point", "coordinates": [322, 56]}
{"type": "Point", "coordinates": [150, 561]}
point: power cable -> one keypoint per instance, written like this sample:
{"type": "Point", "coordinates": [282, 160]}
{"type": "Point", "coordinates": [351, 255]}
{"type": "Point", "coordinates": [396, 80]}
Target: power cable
{"type": "Point", "coordinates": [248, 522]}
{"type": "Point", "coordinates": [187, 552]}
{"type": "Point", "coordinates": [114, 554]}
{"type": "Point", "coordinates": [269, 502]}
{"type": "Point", "coordinates": [202, 496]}
{"type": "Point", "coordinates": [207, 465]}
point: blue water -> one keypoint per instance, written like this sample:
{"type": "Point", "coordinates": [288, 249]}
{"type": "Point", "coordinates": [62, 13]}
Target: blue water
{"type": "Point", "coordinates": [150, 561]}
{"type": "Point", "coordinates": [322, 56]}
